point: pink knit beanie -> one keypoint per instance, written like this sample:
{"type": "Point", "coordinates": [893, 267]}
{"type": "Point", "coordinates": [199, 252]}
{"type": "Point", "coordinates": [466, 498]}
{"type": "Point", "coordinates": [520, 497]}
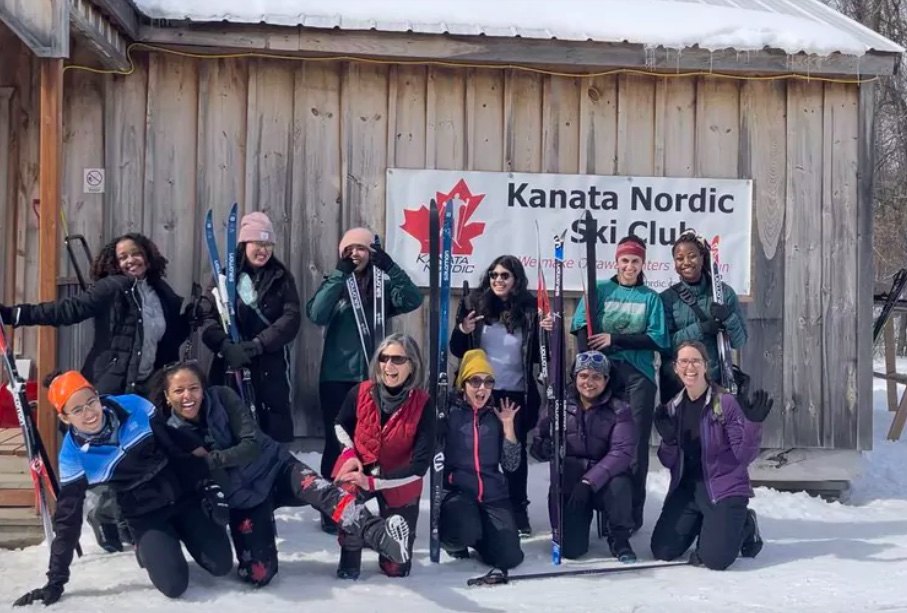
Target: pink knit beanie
{"type": "Point", "coordinates": [356, 236]}
{"type": "Point", "coordinates": [256, 228]}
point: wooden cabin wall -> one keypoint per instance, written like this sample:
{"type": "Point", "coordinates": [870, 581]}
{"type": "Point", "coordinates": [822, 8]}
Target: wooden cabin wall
{"type": "Point", "coordinates": [309, 143]}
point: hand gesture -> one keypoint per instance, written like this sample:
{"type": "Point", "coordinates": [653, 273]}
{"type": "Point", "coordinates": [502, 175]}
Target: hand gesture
{"type": "Point", "coordinates": [380, 258]}
{"type": "Point", "coordinates": [507, 412]}
{"type": "Point", "coordinates": [357, 478]}
{"type": "Point", "coordinates": [352, 465]}
{"type": "Point", "coordinates": [599, 341]}
{"type": "Point", "coordinates": [757, 409]}
{"type": "Point", "coordinates": [664, 424]}
{"type": "Point", "coordinates": [547, 322]}
{"type": "Point", "coordinates": [199, 452]}
{"type": "Point", "coordinates": [468, 325]}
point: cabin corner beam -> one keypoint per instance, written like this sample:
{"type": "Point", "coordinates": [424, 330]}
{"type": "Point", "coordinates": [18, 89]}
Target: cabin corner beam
{"type": "Point", "coordinates": [94, 28]}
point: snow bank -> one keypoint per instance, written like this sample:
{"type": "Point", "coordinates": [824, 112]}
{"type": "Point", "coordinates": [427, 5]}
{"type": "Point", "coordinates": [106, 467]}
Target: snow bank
{"type": "Point", "coordinates": [804, 26]}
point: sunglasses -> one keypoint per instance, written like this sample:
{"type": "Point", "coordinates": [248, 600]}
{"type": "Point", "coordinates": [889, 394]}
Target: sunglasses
{"type": "Point", "coordinates": [588, 356]}
{"type": "Point", "coordinates": [399, 360]}
{"type": "Point", "coordinates": [480, 381]}
{"type": "Point", "coordinates": [503, 276]}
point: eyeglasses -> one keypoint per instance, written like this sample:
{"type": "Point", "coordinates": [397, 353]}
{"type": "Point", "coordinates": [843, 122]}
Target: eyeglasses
{"type": "Point", "coordinates": [480, 381]}
{"type": "Point", "coordinates": [93, 404]}
{"type": "Point", "coordinates": [690, 362]}
{"type": "Point", "coordinates": [503, 276]}
{"type": "Point", "coordinates": [262, 246]}
{"type": "Point", "coordinates": [399, 360]}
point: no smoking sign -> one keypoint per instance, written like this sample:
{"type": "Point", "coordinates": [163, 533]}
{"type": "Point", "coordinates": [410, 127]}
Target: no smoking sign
{"type": "Point", "coordinates": [93, 181]}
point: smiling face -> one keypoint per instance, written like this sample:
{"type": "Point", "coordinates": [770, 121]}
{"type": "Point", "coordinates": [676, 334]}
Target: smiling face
{"type": "Point", "coordinates": [83, 411]}
{"type": "Point", "coordinates": [394, 366]}
{"type": "Point", "coordinates": [258, 253]}
{"type": "Point", "coordinates": [502, 281]}
{"type": "Point", "coordinates": [184, 394]}
{"type": "Point", "coordinates": [360, 254]}
{"type": "Point", "coordinates": [590, 384]}
{"type": "Point", "coordinates": [477, 389]}
{"type": "Point", "coordinates": [628, 269]}
{"type": "Point", "coordinates": [688, 262]}
{"type": "Point", "coordinates": [690, 367]}
{"type": "Point", "coordinates": [132, 259]}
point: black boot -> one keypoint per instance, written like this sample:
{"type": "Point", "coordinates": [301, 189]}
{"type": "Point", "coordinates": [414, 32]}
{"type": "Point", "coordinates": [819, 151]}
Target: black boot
{"type": "Point", "coordinates": [350, 563]}
{"type": "Point", "coordinates": [752, 542]}
{"type": "Point", "coordinates": [521, 517]}
{"type": "Point", "coordinates": [620, 547]}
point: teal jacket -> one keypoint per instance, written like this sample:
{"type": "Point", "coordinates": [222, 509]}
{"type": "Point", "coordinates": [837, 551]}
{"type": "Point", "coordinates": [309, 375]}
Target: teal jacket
{"type": "Point", "coordinates": [342, 358]}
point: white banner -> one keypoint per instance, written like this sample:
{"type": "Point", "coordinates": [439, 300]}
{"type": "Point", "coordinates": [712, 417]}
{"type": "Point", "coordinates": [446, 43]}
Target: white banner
{"type": "Point", "coordinates": [497, 213]}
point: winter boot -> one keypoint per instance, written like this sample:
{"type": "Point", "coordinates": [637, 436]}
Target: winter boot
{"type": "Point", "coordinates": [621, 549]}
{"type": "Point", "coordinates": [752, 542]}
{"type": "Point", "coordinates": [350, 564]}
{"type": "Point", "coordinates": [389, 537]}
{"type": "Point", "coordinates": [458, 554]}
{"type": "Point", "coordinates": [521, 516]}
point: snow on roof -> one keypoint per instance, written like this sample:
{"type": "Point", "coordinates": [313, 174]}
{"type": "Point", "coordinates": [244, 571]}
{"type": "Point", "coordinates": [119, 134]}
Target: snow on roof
{"type": "Point", "coordinates": [745, 25]}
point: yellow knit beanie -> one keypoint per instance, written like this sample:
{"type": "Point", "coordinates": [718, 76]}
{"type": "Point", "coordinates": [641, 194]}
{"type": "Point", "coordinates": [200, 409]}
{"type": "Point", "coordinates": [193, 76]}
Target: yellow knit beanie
{"type": "Point", "coordinates": [474, 362]}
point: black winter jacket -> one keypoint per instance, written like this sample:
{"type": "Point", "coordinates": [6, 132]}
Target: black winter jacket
{"type": "Point", "coordinates": [115, 303]}
{"type": "Point", "coordinates": [275, 324]}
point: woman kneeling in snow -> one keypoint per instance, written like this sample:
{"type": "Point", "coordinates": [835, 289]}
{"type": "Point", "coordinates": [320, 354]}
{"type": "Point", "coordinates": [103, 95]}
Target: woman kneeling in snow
{"type": "Point", "coordinates": [480, 440]}
{"type": "Point", "coordinates": [258, 475]}
{"type": "Point", "coordinates": [708, 441]}
{"type": "Point", "coordinates": [388, 435]}
{"type": "Point", "coordinates": [601, 443]}
{"type": "Point", "coordinates": [165, 501]}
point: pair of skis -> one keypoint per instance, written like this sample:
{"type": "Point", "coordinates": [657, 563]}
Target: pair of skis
{"type": "Point", "coordinates": [497, 577]}
{"type": "Point", "coordinates": [440, 265]}
{"type": "Point", "coordinates": [725, 357]}
{"type": "Point", "coordinates": [369, 337]}
{"type": "Point", "coordinates": [224, 293]}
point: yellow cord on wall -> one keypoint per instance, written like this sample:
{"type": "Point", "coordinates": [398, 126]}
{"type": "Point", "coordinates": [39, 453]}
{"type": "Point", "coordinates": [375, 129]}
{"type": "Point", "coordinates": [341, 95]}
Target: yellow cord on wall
{"type": "Point", "coordinates": [544, 71]}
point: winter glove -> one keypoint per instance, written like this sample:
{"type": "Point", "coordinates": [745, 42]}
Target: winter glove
{"type": "Point", "coordinates": [346, 265]}
{"type": "Point", "coordinates": [48, 594]}
{"type": "Point", "coordinates": [542, 449]}
{"type": "Point", "coordinates": [711, 327]}
{"type": "Point", "coordinates": [252, 348]}
{"type": "Point", "coordinates": [380, 259]}
{"type": "Point", "coordinates": [214, 503]}
{"type": "Point", "coordinates": [719, 311]}
{"type": "Point", "coordinates": [235, 355]}
{"type": "Point", "coordinates": [757, 409]}
{"type": "Point", "coordinates": [580, 497]}
{"type": "Point", "coordinates": [664, 424]}
{"type": "Point", "coordinates": [6, 313]}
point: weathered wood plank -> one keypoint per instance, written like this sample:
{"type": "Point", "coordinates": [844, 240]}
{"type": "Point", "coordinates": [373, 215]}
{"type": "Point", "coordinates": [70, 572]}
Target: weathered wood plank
{"type": "Point", "coordinates": [7, 198]}
{"type": "Point", "coordinates": [83, 147]}
{"type": "Point", "coordinates": [802, 361]}
{"type": "Point", "coordinates": [316, 181]}
{"type": "Point", "coordinates": [171, 164]}
{"type": "Point", "coordinates": [675, 127]}
{"type": "Point", "coordinates": [560, 124]}
{"type": "Point", "coordinates": [598, 126]}
{"type": "Point", "coordinates": [865, 169]}
{"type": "Point", "coordinates": [763, 158]}
{"type": "Point", "coordinates": [717, 128]}
{"type": "Point", "coordinates": [406, 149]}
{"type": "Point", "coordinates": [270, 136]}
{"type": "Point", "coordinates": [485, 119]}
{"type": "Point", "coordinates": [222, 113]}
{"type": "Point", "coordinates": [522, 121]}
{"type": "Point", "coordinates": [636, 125]}
{"type": "Point", "coordinates": [125, 102]}
{"type": "Point", "coordinates": [364, 152]}
{"type": "Point", "coordinates": [839, 267]}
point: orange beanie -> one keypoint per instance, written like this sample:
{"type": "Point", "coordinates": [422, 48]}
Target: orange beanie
{"type": "Point", "coordinates": [64, 386]}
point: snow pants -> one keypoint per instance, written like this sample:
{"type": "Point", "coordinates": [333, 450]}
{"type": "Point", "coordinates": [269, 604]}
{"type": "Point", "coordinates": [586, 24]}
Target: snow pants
{"type": "Point", "coordinates": [639, 392]}
{"type": "Point", "coordinates": [689, 513]}
{"type": "Point", "coordinates": [615, 500]}
{"type": "Point", "coordinates": [159, 551]}
{"type": "Point", "coordinates": [487, 527]}
{"type": "Point", "coordinates": [331, 395]}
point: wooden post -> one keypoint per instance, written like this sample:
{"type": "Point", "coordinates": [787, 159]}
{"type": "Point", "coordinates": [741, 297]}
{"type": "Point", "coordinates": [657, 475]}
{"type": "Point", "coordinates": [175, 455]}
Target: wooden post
{"type": "Point", "coordinates": [50, 153]}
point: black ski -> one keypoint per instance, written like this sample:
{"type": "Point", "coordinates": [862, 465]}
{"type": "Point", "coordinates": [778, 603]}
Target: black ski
{"type": "Point", "coordinates": [496, 577]}
{"type": "Point", "coordinates": [558, 393]}
{"type": "Point", "coordinates": [437, 468]}
{"type": "Point", "coordinates": [378, 313]}
{"type": "Point", "coordinates": [894, 294]}
{"type": "Point", "coordinates": [724, 343]}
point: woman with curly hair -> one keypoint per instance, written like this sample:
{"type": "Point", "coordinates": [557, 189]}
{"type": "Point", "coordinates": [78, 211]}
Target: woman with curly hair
{"type": "Point", "coordinates": [501, 318]}
{"type": "Point", "coordinates": [138, 326]}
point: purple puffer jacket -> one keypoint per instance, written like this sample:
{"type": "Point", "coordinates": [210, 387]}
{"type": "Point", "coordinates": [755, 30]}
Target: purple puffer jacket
{"type": "Point", "coordinates": [730, 443]}
{"type": "Point", "coordinates": [601, 440]}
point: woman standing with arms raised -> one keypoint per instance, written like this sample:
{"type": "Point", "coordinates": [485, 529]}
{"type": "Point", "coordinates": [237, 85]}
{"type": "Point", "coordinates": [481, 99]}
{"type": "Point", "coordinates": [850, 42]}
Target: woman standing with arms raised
{"type": "Point", "coordinates": [343, 363]}
{"type": "Point", "coordinates": [631, 318]}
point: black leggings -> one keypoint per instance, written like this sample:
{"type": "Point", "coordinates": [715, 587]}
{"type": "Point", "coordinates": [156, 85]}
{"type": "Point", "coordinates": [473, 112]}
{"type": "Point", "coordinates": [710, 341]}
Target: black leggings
{"type": "Point", "coordinates": [487, 527]}
{"type": "Point", "coordinates": [159, 551]}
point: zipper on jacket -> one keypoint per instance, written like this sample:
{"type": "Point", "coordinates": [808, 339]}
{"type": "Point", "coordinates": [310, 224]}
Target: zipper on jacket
{"type": "Point", "coordinates": [703, 432]}
{"type": "Point", "coordinates": [475, 452]}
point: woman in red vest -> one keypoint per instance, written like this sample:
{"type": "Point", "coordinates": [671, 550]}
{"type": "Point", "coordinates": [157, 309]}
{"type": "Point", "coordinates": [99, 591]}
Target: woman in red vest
{"type": "Point", "coordinates": [387, 433]}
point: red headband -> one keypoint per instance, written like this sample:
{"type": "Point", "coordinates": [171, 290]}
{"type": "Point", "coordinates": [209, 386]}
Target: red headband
{"type": "Point", "coordinates": [631, 248]}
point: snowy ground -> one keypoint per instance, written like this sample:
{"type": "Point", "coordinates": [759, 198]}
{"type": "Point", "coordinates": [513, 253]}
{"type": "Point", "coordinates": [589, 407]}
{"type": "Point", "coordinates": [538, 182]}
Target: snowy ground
{"type": "Point", "coordinates": [818, 557]}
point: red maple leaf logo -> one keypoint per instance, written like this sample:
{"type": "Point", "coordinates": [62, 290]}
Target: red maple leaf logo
{"type": "Point", "coordinates": [416, 221]}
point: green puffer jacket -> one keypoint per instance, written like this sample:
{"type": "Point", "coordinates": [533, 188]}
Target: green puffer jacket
{"type": "Point", "coordinates": [342, 358]}
{"type": "Point", "coordinates": [683, 323]}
